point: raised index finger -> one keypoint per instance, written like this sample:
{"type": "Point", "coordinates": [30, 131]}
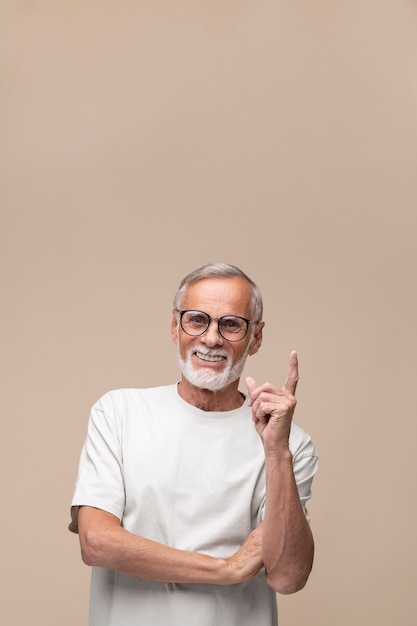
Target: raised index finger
{"type": "Point", "coordinates": [292, 378]}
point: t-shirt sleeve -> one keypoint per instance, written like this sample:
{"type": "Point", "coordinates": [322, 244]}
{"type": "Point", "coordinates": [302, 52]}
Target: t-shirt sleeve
{"type": "Point", "coordinates": [305, 463]}
{"type": "Point", "coordinates": [100, 477]}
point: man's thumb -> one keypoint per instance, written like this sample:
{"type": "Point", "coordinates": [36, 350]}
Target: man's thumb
{"type": "Point", "coordinates": [251, 384]}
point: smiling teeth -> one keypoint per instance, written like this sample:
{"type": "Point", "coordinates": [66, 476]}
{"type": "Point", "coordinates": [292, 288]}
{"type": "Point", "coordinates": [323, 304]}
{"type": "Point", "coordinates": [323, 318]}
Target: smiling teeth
{"type": "Point", "coordinates": [209, 357]}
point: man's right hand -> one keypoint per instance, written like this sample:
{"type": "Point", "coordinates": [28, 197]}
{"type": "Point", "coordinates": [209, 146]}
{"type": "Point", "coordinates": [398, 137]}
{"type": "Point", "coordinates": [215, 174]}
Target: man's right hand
{"type": "Point", "coordinates": [247, 561]}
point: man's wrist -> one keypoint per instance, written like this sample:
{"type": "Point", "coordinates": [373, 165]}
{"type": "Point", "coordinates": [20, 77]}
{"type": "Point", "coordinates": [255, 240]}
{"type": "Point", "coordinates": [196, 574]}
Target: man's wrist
{"type": "Point", "coordinates": [227, 571]}
{"type": "Point", "coordinates": [280, 453]}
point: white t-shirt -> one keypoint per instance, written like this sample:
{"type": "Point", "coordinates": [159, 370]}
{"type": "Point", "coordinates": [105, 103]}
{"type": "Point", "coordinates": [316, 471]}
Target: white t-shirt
{"type": "Point", "coordinates": [190, 479]}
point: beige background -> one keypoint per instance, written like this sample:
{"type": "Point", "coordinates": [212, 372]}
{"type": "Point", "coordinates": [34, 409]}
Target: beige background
{"type": "Point", "coordinates": [142, 139]}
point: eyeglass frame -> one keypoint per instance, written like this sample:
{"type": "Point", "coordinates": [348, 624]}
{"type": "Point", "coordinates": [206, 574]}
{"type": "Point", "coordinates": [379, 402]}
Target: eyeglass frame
{"type": "Point", "coordinates": [215, 319]}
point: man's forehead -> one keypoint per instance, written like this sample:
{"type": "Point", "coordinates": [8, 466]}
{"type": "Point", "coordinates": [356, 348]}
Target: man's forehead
{"type": "Point", "coordinates": [228, 292]}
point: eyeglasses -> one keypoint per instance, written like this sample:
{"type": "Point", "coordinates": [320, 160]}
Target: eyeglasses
{"type": "Point", "coordinates": [230, 327]}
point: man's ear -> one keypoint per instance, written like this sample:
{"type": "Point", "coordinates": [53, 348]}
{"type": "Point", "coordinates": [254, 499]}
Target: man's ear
{"type": "Point", "coordinates": [174, 326]}
{"type": "Point", "coordinates": [257, 339]}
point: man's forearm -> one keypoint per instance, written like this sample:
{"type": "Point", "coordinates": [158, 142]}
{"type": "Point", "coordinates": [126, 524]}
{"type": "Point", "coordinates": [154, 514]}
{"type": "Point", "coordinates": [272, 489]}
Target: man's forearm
{"type": "Point", "coordinates": [104, 543]}
{"type": "Point", "coordinates": [287, 541]}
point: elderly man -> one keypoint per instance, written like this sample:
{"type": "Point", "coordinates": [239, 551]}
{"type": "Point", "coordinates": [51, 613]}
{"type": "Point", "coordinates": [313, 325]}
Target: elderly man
{"type": "Point", "coordinates": [190, 498]}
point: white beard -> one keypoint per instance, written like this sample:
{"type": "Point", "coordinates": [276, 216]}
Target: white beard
{"type": "Point", "coordinates": [206, 378]}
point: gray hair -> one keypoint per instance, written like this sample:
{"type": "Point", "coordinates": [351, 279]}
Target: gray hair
{"type": "Point", "coordinates": [221, 270]}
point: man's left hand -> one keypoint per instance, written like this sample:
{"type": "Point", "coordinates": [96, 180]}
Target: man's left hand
{"type": "Point", "coordinates": [273, 408]}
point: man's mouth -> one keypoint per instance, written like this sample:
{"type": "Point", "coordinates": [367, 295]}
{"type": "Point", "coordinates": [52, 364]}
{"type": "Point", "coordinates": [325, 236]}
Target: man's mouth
{"type": "Point", "coordinates": [209, 357]}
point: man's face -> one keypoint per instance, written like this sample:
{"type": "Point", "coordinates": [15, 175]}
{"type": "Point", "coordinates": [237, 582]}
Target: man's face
{"type": "Point", "coordinates": [209, 361]}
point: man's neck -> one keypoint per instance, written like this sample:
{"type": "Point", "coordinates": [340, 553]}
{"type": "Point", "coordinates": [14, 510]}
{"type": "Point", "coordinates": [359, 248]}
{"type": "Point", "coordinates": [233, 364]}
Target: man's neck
{"type": "Point", "coordinates": [226, 399]}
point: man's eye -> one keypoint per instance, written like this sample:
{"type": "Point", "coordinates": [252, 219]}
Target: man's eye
{"type": "Point", "coordinates": [230, 324]}
{"type": "Point", "coordinates": [197, 319]}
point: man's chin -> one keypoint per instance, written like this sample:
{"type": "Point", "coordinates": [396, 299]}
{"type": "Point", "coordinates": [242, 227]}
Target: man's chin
{"type": "Point", "coordinates": [211, 383]}
{"type": "Point", "coordinates": [206, 378]}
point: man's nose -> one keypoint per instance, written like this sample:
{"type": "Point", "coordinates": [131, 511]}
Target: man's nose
{"type": "Point", "coordinates": [212, 337]}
